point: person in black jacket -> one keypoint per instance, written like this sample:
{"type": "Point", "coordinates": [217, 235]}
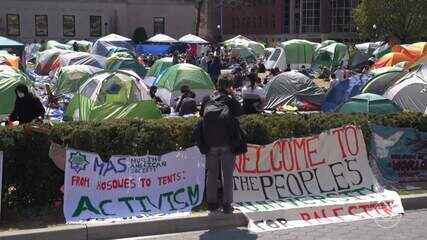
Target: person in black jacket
{"type": "Point", "coordinates": [27, 106]}
{"type": "Point", "coordinates": [219, 113]}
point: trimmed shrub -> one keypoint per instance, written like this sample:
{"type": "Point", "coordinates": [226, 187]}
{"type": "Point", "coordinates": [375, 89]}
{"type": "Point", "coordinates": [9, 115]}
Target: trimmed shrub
{"type": "Point", "coordinates": [31, 182]}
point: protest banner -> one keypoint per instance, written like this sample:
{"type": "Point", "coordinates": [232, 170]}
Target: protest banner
{"type": "Point", "coordinates": [309, 181]}
{"type": "Point", "coordinates": [400, 154]}
{"type": "Point", "coordinates": [1, 177]}
{"type": "Point", "coordinates": [128, 186]}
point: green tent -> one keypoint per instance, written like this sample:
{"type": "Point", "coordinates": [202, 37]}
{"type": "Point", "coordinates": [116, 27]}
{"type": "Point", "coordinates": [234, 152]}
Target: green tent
{"type": "Point", "coordinates": [160, 66]}
{"type": "Point", "coordinates": [331, 55]}
{"type": "Point", "coordinates": [112, 95]}
{"type": "Point", "coordinates": [9, 79]}
{"type": "Point", "coordinates": [124, 61]}
{"type": "Point", "coordinates": [299, 51]}
{"type": "Point", "coordinates": [369, 103]}
{"type": "Point", "coordinates": [383, 79]}
{"type": "Point", "coordinates": [242, 41]}
{"type": "Point", "coordinates": [170, 82]}
{"type": "Point", "coordinates": [6, 43]}
{"type": "Point", "coordinates": [82, 45]}
{"type": "Point", "coordinates": [51, 44]}
{"type": "Point", "coordinates": [68, 79]}
{"type": "Point", "coordinates": [244, 53]}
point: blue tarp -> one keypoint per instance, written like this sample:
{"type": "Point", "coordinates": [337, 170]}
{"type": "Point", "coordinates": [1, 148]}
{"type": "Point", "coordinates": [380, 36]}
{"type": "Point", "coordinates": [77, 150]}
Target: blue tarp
{"type": "Point", "coordinates": [153, 49]}
{"type": "Point", "coordinates": [344, 90]}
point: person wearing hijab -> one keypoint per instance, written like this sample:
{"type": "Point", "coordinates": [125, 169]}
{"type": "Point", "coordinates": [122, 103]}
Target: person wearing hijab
{"type": "Point", "coordinates": [27, 106]}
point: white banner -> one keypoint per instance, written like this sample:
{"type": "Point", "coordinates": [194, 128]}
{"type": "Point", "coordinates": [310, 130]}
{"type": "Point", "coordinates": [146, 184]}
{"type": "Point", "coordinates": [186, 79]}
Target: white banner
{"type": "Point", "coordinates": [308, 181]}
{"type": "Point", "coordinates": [1, 177]}
{"type": "Point", "coordinates": [129, 186]}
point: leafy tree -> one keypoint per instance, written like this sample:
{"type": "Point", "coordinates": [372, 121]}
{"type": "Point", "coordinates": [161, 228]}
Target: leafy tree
{"type": "Point", "coordinates": [404, 19]}
{"type": "Point", "coordinates": [139, 35]}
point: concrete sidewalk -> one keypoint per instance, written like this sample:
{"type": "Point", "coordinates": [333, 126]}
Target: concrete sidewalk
{"type": "Point", "coordinates": [195, 222]}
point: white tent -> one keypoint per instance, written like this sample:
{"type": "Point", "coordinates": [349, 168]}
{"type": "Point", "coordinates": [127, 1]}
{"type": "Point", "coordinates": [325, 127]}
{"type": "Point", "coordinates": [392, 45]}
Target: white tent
{"type": "Point", "coordinates": [103, 45]}
{"type": "Point", "coordinates": [239, 40]}
{"type": "Point", "coordinates": [192, 39]}
{"type": "Point", "coordinates": [162, 38]}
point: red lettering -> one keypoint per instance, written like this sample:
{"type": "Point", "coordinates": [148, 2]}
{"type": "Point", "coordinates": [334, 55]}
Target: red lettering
{"type": "Point", "coordinates": [299, 146]}
{"type": "Point", "coordinates": [336, 211]}
{"type": "Point", "coordinates": [305, 216]}
{"type": "Point", "coordinates": [276, 147]}
{"type": "Point", "coordinates": [258, 161]}
{"type": "Point", "coordinates": [291, 162]}
{"type": "Point", "coordinates": [338, 133]}
{"type": "Point", "coordinates": [247, 159]}
{"type": "Point", "coordinates": [311, 151]}
{"type": "Point", "coordinates": [354, 130]}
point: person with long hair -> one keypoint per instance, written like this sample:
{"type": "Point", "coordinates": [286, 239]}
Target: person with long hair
{"type": "Point", "coordinates": [254, 98]}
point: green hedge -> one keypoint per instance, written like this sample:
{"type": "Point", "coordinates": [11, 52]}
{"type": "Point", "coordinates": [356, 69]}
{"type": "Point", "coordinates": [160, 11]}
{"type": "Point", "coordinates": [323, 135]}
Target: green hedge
{"type": "Point", "coordinates": [31, 182]}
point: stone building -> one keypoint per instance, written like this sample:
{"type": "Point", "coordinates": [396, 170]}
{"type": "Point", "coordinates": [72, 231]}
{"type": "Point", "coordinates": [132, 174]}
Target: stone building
{"type": "Point", "coordinates": [28, 20]}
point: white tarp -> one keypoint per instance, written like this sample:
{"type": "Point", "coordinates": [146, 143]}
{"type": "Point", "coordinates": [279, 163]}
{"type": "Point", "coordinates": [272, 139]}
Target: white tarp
{"type": "Point", "coordinates": [128, 186]}
{"type": "Point", "coordinates": [162, 38]}
{"type": "Point", "coordinates": [192, 39]}
{"type": "Point", "coordinates": [309, 181]}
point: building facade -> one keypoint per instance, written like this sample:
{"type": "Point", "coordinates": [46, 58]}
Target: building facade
{"type": "Point", "coordinates": [274, 21]}
{"type": "Point", "coordinates": [29, 20]}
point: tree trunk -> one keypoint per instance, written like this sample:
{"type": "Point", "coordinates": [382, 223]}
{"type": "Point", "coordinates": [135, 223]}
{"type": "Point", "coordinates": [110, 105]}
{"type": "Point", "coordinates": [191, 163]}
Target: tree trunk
{"type": "Point", "coordinates": [199, 16]}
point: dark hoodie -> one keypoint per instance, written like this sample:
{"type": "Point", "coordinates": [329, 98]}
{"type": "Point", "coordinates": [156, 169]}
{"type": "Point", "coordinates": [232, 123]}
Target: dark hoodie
{"type": "Point", "coordinates": [27, 108]}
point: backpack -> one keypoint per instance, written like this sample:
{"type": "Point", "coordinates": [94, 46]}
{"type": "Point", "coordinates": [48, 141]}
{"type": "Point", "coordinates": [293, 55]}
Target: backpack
{"type": "Point", "coordinates": [217, 122]}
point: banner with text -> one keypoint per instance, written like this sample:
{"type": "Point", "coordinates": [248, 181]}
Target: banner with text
{"type": "Point", "coordinates": [400, 154]}
{"type": "Point", "coordinates": [1, 177]}
{"type": "Point", "coordinates": [128, 186]}
{"type": "Point", "coordinates": [308, 181]}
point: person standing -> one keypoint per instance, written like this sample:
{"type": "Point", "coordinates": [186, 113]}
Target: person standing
{"type": "Point", "coordinates": [214, 68]}
{"type": "Point", "coordinates": [254, 97]}
{"type": "Point", "coordinates": [220, 135]}
{"type": "Point", "coordinates": [27, 106]}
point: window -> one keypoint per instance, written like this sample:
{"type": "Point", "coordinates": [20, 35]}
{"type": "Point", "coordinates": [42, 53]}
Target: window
{"type": "Point", "coordinates": [40, 22]}
{"type": "Point", "coordinates": [159, 25]}
{"type": "Point", "coordinates": [342, 19]}
{"type": "Point", "coordinates": [13, 25]}
{"type": "Point", "coordinates": [311, 16]}
{"type": "Point", "coordinates": [69, 25]}
{"type": "Point", "coordinates": [95, 26]}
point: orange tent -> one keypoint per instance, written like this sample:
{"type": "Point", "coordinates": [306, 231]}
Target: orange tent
{"type": "Point", "coordinates": [414, 51]}
{"type": "Point", "coordinates": [9, 59]}
{"type": "Point", "coordinates": [393, 58]}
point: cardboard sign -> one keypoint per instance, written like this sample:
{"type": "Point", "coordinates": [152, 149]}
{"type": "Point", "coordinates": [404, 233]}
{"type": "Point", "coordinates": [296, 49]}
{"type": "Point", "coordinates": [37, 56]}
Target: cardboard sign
{"type": "Point", "coordinates": [128, 186]}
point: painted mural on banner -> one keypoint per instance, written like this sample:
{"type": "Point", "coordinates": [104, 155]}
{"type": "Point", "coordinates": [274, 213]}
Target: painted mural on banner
{"type": "Point", "coordinates": [310, 181]}
{"type": "Point", "coordinates": [400, 154]}
{"type": "Point", "coordinates": [128, 186]}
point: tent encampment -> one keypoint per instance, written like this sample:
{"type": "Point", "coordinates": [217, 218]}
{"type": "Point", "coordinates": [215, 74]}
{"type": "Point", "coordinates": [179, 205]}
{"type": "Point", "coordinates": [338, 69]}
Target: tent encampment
{"type": "Point", "coordinates": [105, 45]}
{"type": "Point", "coordinates": [383, 78]}
{"type": "Point", "coordinates": [369, 103]}
{"type": "Point", "coordinates": [243, 52]}
{"type": "Point", "coordinates": [410, 92]}
{"type": "Point", "coordinates": [170, 82]}
{"type": "Point", "coordinates": [79, 58]}
{"type": "Point", "coordinates": [393, 58]}
{"type": "Point", "coordinates": [52, 44]}
{"type": "Point", "coordinates": [363, 52]}
{"type": "Point", "coordinates": [68, 79]}
{"type": "Point", "coordinates": [45, 60]}
{"type": "Point", "coordinates": [192, 39]}
{"type": "Point", "coordinates": [242, 41]}
{"type": "Point", "coordinates": [160, 66]}
{"type": "Point", "coordinates": [9, 79]}
{"type": "Point", "coordinates": [124, 61]}
{"type": "Point", "coordinates": [9, 59]}
{"type": "Point", "coordinates": [112, 95]}
{"type": "Point", "coordinates": [294, 52]}
{"type": "Point", "coordinates": [344, 90]}
{"type": "Point", "coordinates": [289, 88]}
{"type": "Point", "coordinates": [331, 55]}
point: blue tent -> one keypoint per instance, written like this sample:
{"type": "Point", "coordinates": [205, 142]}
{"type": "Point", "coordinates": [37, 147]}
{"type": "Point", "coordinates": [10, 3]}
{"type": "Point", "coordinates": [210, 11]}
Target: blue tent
{"type": "Point", "coordinates": [344, 90]}
{"type": "Point", "coordinates": [153, 49]}
{"type": "Point", "coordinates": [6, 43]}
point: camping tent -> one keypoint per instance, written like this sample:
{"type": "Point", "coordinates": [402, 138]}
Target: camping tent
{"type": "Point", "coordinates": [241, 41]}
{"type": "Point", "coordinates": [82, 45]}
{"type": "Point", "coordinates": [45, 60]}
{"type": "Point", "coordinates": [160, 66]}
{"type": "Point", "coordinates": [382, 50]}
{"type": "Point", "coordinates": [9, 59]}
{"type": "Point", "coordinates": [162, 38]}
{"type": "Point", "coordinates": [383, 78]}
{"type": "Point", "coordinates": [112, 95]}
{"type": "Point", "coordinates": [9, 79]}
{"type": "Point", "coordinates": [414, 51]}
{"type": "Point", "coordinates": [243, 53]}
{"type": "Point", "coordinates": [393, 58]}
{"type": "Point", "coordinates": [170, 82]}
{"type": "Point", "coordinates": [331, 55]}
{"type": "Point", "coordinates": [31, 51]}
{"type": "Point", "coordinates": [344, 90]}
{"type": "Point", "coordinates": [192, 39]}
{"type": "Point", "coordinates": [6, 43]}
{"type": "Point", "coordinates": [104, 45]}
{"type": "Point", "coordinates": [81, 58]}
{"type": "Point", "coordinates": [52, 44]}
{"type": "Point", "coordinates": [410, 92]}
{"type": "Point", "coordinates": [295, 52]}
{"type": "Point", "coordinates": [363, 52]}
{"type": "Point", "coordinates": [68, 79]}
{"type": "Point", "coordinates": [125, 61]}
{"type": "Point", "coordinates": [292, 87]}
{"type": "Point", "coordinates": [369, 103]}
